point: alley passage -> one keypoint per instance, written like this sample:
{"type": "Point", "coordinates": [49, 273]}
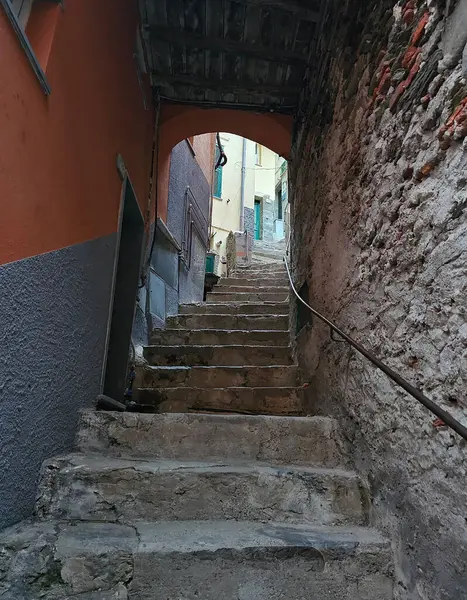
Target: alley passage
{"type": "Point", "coordinates": [195, 505]}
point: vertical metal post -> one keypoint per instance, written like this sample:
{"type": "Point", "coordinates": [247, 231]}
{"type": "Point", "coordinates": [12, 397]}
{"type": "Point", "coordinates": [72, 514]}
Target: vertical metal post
{"type": "Point", "coordinates": [242, 188]}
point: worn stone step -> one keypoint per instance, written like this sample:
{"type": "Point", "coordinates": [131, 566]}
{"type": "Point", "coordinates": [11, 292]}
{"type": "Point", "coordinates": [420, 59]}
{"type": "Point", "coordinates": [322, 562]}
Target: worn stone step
{"type": "Point", "coordinates": [209, 377]}
{"type": "Point", "coordinates": [217, 355]}
{"type": "Point", "coordinates": [259, 280]}
{"type": "Point", "coordinates": [264, 269]}
{"type": "Point", "coordinates": [313, 441]}
{"type": "Point", "coordinates": [235, 308]}
{"type": "Point", "coordinates": [219, 337]}
{"type": "Point", "coordinates": [219, 296]}
{"type": "Point", "coordinates": [232, 322]}
{"type": "Point", "coordinates": [164, 560]}
{"type": "Point", "coordinates": [252, 289]}
{"type": "Point", "coordinates": [258, 400]}
{"type": "Point", "coordinates": [96, 488]}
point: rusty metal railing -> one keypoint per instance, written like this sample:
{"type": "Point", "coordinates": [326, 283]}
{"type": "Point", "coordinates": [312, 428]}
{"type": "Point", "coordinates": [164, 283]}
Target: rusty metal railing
{"type": "Point", "coordinates": [445, 417]}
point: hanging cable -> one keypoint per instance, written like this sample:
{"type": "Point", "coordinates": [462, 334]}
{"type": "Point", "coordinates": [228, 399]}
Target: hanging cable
{"type": "Point", "coordinates": [222, 159]}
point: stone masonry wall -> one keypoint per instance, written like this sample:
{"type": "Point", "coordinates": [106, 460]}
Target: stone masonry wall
{"type": "Point", "coordinates": [380, 236]}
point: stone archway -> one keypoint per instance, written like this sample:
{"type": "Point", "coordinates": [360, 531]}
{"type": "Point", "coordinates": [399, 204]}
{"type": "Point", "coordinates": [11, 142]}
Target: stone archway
{"type": "Point", "coordinates": [178, 122]}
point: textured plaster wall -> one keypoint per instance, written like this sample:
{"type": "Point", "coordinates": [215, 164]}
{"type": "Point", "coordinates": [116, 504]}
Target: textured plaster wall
{"type": "Point", "coordinates": [185, 171]}
{"type": "Point", "coordinates": [265, 174]}
{"type": "Point", "coordinates": [58, 178]}
{"type": "Point", "coordinates": [226, 209]}
{"type": "Point", "coordinates": [204, 147]}
{"type": "Point", "coordinates": [54, 317]}
{"type": "Point", "coordinates": [380, 236]}
{"type": "Point", "coordinates": [250, 220]}
{"type": "Point", "coordinates": [267, 216]}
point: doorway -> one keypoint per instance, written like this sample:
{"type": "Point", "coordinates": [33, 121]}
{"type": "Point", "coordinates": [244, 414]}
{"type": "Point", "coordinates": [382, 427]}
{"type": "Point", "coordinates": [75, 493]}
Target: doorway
{"type": "Point", "coordinates": [126, 278]}
{"type": "Point", "coordinates": [257, 219]}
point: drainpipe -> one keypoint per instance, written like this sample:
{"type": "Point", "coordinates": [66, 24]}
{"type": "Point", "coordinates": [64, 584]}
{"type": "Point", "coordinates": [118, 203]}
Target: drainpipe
{"type": "Point", "coordinates": [242, 187]}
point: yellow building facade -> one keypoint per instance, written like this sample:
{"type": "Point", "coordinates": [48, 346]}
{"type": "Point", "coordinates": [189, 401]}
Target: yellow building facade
{"type": "Point", "coordinates": [246, 194]}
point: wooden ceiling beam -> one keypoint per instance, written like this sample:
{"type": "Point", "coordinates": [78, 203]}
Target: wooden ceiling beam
{"type": "Point", "coordinates": [195, 40]}
{"type": "Point", "coordinates": [289, 109]}
{"type": "Point", "coordinates": [290, 6]}
{"type": "Point", "coordinates": [236, 87]}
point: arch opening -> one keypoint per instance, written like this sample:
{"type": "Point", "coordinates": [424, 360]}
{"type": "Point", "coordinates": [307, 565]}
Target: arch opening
{"type": "Point", "coordinates": [179, 122]}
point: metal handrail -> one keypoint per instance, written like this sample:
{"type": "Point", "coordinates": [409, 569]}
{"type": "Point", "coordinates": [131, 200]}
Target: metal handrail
{"type": "Point", "coordinates": [447, 418]}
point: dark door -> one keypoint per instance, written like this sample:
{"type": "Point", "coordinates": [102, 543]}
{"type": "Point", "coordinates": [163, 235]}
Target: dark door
{"type": "Point", "coordinates": [125, 290]}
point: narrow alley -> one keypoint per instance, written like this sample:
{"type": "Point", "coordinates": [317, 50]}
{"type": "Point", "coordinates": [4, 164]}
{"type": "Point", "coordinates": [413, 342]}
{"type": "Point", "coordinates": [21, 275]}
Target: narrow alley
{"type": "Point", "coordinates": [234, 337]}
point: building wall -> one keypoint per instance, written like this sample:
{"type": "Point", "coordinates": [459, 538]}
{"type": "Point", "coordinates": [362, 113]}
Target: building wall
{"type": "Point", "coordinates": [174, 281]}
{"type": "Point", "coordinates": [60, 201]}
{"type": "Point", "coordinates": [380, 236]}
{"type": "Point", "coordinates": [265, 180]}
{"type": "Point", "coordinates": [181, 121]}
{"type": "Point", "coordinates": [259, 183]}
{"type": "Point", "coordinates": [265, 173]}
{"type": "Point", "coordinates": [226, 209]}
{"type": "Point", "coordinates": [204, 147]}
{"type": "Point", "coordinates": [282, 228]}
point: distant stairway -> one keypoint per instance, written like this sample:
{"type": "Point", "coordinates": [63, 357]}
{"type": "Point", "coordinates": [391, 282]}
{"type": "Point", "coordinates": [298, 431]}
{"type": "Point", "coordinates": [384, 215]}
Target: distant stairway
{"type": "Point", "coordinates": [231, 354]}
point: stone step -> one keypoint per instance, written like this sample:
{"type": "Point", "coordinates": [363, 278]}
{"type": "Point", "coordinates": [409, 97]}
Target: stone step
{"type": "Point", "coordinates": [259, 280]}
{"type": "Point", "coordinates": [261, 268]}
{"type": "Point", "coordinates": [218, 355]}
{"type": "Point", "coordinates": [218, 377]}
{"type": "Point", "coordinates": [260, 255]}
{"type": "Point", "coordinates": [243, 297]}
{"type": "Point", "coordinates": [235, 308]}
{"type": "Point", "coordinates": [257, 400]}
{"type": "Point", "coordinates": [276, 266]}
{"type": "Point", "coordinates": [313, 441]}
{"type": "Point", "coordinates": [252, 289]}
{"type": "Point", "coordinates": [212, 560]}
{"type": "Point", "coordinates": [232, 322]}
{"type": "Point", "coordinates": [219, 337]}
{"type": "Point", "coordinates": [96, 488]}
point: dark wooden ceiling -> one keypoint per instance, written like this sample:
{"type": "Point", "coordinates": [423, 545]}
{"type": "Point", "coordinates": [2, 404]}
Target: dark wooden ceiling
{"type": "Point", "coordinates": [233, 53]}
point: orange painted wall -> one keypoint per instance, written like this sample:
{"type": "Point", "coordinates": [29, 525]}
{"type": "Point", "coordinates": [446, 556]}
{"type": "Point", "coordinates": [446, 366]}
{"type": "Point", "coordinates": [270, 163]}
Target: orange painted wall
{"type": "Point", "coordinates": [204, 147]}
{"type": "Point", "coordinates": [180, 121]}
{"type": "Point", "coordinates": [58, 181]}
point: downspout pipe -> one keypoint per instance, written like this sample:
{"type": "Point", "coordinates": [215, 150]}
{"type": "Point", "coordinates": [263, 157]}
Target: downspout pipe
{"type": "Point", "coordinates": [242, 187]}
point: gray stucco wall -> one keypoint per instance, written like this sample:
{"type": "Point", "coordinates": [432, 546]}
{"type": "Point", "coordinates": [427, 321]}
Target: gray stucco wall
{"type": "Point", "coordinates": [249, 218]}
{"type": "Point", "coordinates": [185, 171]}
{"type": "Point", "coordinates": [163, 283]}
{"type": "Point", "coordinates": [53, 314]}
{"type": "Point", "coordinates": [268, 219]}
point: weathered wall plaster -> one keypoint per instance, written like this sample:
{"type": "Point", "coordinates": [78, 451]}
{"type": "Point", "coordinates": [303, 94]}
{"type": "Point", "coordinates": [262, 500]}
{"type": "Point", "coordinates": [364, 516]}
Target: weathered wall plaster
{"type": "Point", "coordinates": [185, 171]}
{"type": "Point", "coordinates": [380, 236]}
{"type": "Point", "coordinates": [53, 320]}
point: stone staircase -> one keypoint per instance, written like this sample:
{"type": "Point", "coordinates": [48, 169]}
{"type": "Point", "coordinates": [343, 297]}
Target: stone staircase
{"type": "Point", "coordinates": [199, 506]}
{"type": "Point", "coordinates": [230, 354]}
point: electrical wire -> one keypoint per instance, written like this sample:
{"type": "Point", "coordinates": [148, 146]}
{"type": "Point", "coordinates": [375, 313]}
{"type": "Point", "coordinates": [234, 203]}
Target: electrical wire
{"type": "Point", "coordinates": [222, 160]}
{"type": "Point", "coordinates": [154, 160]}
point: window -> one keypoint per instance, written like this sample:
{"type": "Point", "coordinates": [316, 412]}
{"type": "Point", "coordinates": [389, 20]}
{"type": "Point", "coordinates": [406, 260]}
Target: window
{"type": "Point", "coordinates": [21, 10]}
{"type": "Point", "coordinates": [258, 152]}
{"type": "Point", "coordinates": [217, 177]}
{"type": "Point", "coordinates": [34, 22]}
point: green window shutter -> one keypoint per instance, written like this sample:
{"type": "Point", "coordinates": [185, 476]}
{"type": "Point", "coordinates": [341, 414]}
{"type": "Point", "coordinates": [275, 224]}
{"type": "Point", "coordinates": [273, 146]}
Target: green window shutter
{"type": "Point", "coordinates": [218, 182]}
{"type": "Point", "coordinates": [218, 177]}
